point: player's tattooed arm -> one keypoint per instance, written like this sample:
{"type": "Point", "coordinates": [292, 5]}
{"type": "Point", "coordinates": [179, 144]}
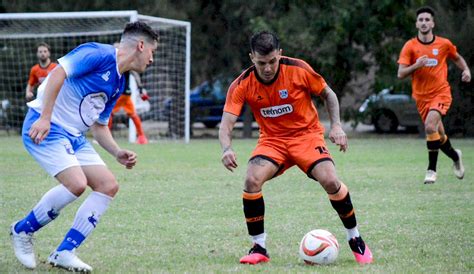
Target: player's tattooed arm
{"type": "Point", "coordinates": [336, 134]}
{"type": "Point", "coordinates": [229, 159]}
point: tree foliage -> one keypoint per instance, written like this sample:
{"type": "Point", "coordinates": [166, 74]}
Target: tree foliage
{"type": "Point", "coordinates": [346, 41]}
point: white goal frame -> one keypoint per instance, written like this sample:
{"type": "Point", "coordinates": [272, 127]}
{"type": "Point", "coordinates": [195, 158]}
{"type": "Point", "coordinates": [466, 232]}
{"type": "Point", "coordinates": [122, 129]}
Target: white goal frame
{"type": "Point", "coordinates": [134, 16]}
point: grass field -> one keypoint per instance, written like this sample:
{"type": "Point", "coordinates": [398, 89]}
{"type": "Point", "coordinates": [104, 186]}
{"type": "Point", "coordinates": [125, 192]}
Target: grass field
{"type": "Point", "coordinates": [180, 211]}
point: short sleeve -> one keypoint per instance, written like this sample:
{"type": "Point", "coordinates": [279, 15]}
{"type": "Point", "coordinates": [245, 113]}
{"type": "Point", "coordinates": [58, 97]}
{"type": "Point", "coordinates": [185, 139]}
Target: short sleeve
{"type": "Point", "coordinates": [235, 99]}
{"type": "Point", "coordinates": [82, 60]}
{"type": "Point", "coordinates": [405, 55]}
{"type": "Point", "coordinates": [452, 50]}
{"type": "Point", "coordinates": [32, 80]}
{"type": "Point", "coordinates": [315, 81]}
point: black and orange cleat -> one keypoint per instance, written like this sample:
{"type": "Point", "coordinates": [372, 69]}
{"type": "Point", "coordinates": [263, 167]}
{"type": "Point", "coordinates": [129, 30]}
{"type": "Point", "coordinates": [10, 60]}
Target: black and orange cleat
{"type": "Point", "coordinates": [257, 254]}
{"type": "Point", "coordinates": [361, 251]}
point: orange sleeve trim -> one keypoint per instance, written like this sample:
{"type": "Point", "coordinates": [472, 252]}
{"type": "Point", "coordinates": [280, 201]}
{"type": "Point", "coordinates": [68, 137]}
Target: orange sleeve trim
{"type": "Point", "coordinates": [252, 196]}
{"type": "Point", "coordinates": [347, 215]}
{"type": "Point", "coordinates": [340, 195]}
{"type": "Point", "coordinates": [254, 219]}
{"type": "Point", "coordinates": [433, 137]}
{"type": "Point", "coordinates": [443, 139]}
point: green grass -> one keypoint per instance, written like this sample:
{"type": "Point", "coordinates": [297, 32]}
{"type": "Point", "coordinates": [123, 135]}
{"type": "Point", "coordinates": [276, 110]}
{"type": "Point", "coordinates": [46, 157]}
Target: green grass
{"type": "Point", "coordinates": [180, 211]}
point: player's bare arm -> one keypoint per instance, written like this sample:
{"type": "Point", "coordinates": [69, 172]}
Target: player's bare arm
{"type": "Point", "coordinates": [336, 134]}
{"type": "Point", "coordinates": [461, 64]}
{"type": "Point", "coordinates": [29, 93]}
{"type": "Point", "coordinates": [405, 70]}
{"type": "Point", "coordinates": [40, 129]}
{"type": "Point", "coordinates": [229, 159]}
{"type": "Point", "coordinates": [103, 136]}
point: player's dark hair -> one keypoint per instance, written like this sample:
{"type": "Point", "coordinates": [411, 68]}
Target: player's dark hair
{"type": "Point", "coordinates": [141, 29]}
{"type": "Point", "coordinates": [43, 44]}
{"type": "Point", "coordinates": [264, 42]}
{"type": "Point", "coordinates": [426, 9]}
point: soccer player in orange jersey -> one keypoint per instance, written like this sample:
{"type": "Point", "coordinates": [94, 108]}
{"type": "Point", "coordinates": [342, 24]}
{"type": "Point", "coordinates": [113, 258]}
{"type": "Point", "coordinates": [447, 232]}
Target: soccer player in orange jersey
{"type": "Point", "coordinates": [39, 71]}
{"type": "Point", "coordinates": [424, 58]}
{"type": "Point", "coordinates": [278, 90]}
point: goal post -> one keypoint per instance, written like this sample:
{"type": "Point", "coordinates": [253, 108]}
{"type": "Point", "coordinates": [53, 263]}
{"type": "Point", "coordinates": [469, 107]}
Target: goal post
{"type": "Point", "coordinates": [167, 80]}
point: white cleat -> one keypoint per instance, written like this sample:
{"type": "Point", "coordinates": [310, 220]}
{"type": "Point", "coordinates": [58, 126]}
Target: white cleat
{"type": "Point", "coordinates": [430, 176]}
{"type": "Point", "coordinates": [68, 260]}
{"type": "Point", "coordinates": [458, 167]}
{"type": "Point", "coordinates": [23, 247]}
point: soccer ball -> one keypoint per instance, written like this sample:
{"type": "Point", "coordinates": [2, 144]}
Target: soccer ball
{"type": "Point", "coordinates": [319, 247]}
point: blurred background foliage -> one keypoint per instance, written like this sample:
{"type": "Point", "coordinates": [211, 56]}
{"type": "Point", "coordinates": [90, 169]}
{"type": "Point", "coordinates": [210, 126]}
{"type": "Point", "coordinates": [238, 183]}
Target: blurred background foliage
{"type": "Point", "coordinates": [354, 45]}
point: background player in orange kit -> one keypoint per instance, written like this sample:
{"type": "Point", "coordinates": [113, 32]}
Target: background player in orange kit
{"type": "Point", "coordinates": [39, 71]}
{"type": "Point", "coordinates": [424, 58]}
{"type": "Point", "coordinates": [278, 90]}
{"type": "Point", "coordinates": [125, 102]}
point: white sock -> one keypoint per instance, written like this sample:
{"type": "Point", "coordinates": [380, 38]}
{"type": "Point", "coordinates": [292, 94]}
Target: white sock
{"type": "Point", "coordinates": [260, 239]}
{"type": "Point", "coordinates": [352, 233]}
{"type": "Point", "coordinates": [51, 203]}
{"type": "Point", "coordinates": [89, 212]}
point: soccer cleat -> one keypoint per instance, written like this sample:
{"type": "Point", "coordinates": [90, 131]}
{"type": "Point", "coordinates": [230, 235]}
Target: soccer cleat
{"type": "Point", "coordinates": [68, 260]}
{"type": "Point", "coordinates": [142, 140]}
{"type": "Point", "coordinates": [430, 176]}
{"type": "Point", "coordinates": [23, 247]}
{"type": "Point", "coordinates": [257, 254]}
{"type": "Point", "coordinates": [361, 251]}
{"type": "Point", "coordinates": [458, 167]}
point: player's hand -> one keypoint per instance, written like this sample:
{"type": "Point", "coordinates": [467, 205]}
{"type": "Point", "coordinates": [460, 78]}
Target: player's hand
{"type": "Point", "coordinates": [144, 94]}
{"type": "Point", "coordinates": [466, 76]}
{"type": "Point", "coordinates": [338, 137]}
{"type": "Point", "coordinates": [422, 61]}
{"type": "Point", "coordinates": [127, 158]}
{"type": "Point", "coordinates": [39, 130]}
{"type": "Point", "coordinates": [29, 96]}
{"type": "Point", "coordinates": [229, 159]}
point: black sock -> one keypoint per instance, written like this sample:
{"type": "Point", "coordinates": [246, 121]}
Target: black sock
{"type": "Point", "coordinates": [448, 149]}
{"type": "Point", "coordinates": [345, 210]}
{"type": "Point", "coordinates": [254, 211]}
{"type": "Point", "coordinates": [433, 147]}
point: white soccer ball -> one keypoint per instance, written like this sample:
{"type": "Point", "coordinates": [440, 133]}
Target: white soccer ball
{"type": "Point", "coordinates": [319, 247]}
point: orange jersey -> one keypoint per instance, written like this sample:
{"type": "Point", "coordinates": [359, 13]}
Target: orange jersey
{"type": "Point", "coordinates": [284, 107]}
{"type": "Point", "coordinates": [432, 80]}
{"type": "Point", "coordinates": [38, 73]}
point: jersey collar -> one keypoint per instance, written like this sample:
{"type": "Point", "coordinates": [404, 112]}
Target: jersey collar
{"type": "Point", "coordinates": [116, 63]}
{"type": "Point", "coordinates": [426, 43]}
{"type": "Point", "coordinates": [272, 81]}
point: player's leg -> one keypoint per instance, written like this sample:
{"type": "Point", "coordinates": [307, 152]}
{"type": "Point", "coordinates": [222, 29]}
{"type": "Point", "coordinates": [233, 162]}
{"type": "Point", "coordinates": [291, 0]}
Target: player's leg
{"type": "Point", "coordinates": [260, 169]}
{"type": "Point", "coordinates": [56, 156]}
{"type": "Point", "coordinates": [454, 154]}
{"type": "Point", "coordinates": [311, 155]}
{"type": "Point", "coordinates": [268, 160]}
{"type": "Point", "coordinates": [104, 187]}
{"type": "Point", "coordinates": [116, 109]}
{"type": "Point", "coordinates": [131, 112]}
{"type": "Point", "coordinates": [325, 173]}
{"type": "Point", "coordinates": [433, 143]}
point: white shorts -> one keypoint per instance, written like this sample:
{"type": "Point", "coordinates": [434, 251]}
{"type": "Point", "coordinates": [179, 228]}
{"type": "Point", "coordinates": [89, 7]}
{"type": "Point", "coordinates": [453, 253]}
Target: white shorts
{"type": "Point", "coordinates": [59, 150]}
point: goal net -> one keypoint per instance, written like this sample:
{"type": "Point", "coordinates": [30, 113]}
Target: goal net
{"type": "Point", "coordinates": [164, 116]}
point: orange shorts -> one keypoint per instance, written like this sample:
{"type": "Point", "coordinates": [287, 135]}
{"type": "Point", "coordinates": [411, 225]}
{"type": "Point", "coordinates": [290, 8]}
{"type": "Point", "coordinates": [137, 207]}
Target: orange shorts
{"type": "Point", "coordinates": [125, 102]}
{"type": "Point", "coordinates": [305, 151]}
{"type": "Point", "coordinates": [440, 103]}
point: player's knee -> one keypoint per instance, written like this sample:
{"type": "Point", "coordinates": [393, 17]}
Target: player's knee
{"type": "Point", "coordinates": [77, 188]}
{"type": "Point", "coordinates": [253, 184]}
{"type": "Point", "coordinates": [430, 128]}
{"type": "Point", "coordinates": [330, 183]}
{"type": "Point", "coordinates": [111, 187]}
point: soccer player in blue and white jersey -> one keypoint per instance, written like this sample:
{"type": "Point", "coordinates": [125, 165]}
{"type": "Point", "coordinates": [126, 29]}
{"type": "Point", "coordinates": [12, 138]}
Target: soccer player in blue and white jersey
{"type": "Point", "coordinates": [77, 96]}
